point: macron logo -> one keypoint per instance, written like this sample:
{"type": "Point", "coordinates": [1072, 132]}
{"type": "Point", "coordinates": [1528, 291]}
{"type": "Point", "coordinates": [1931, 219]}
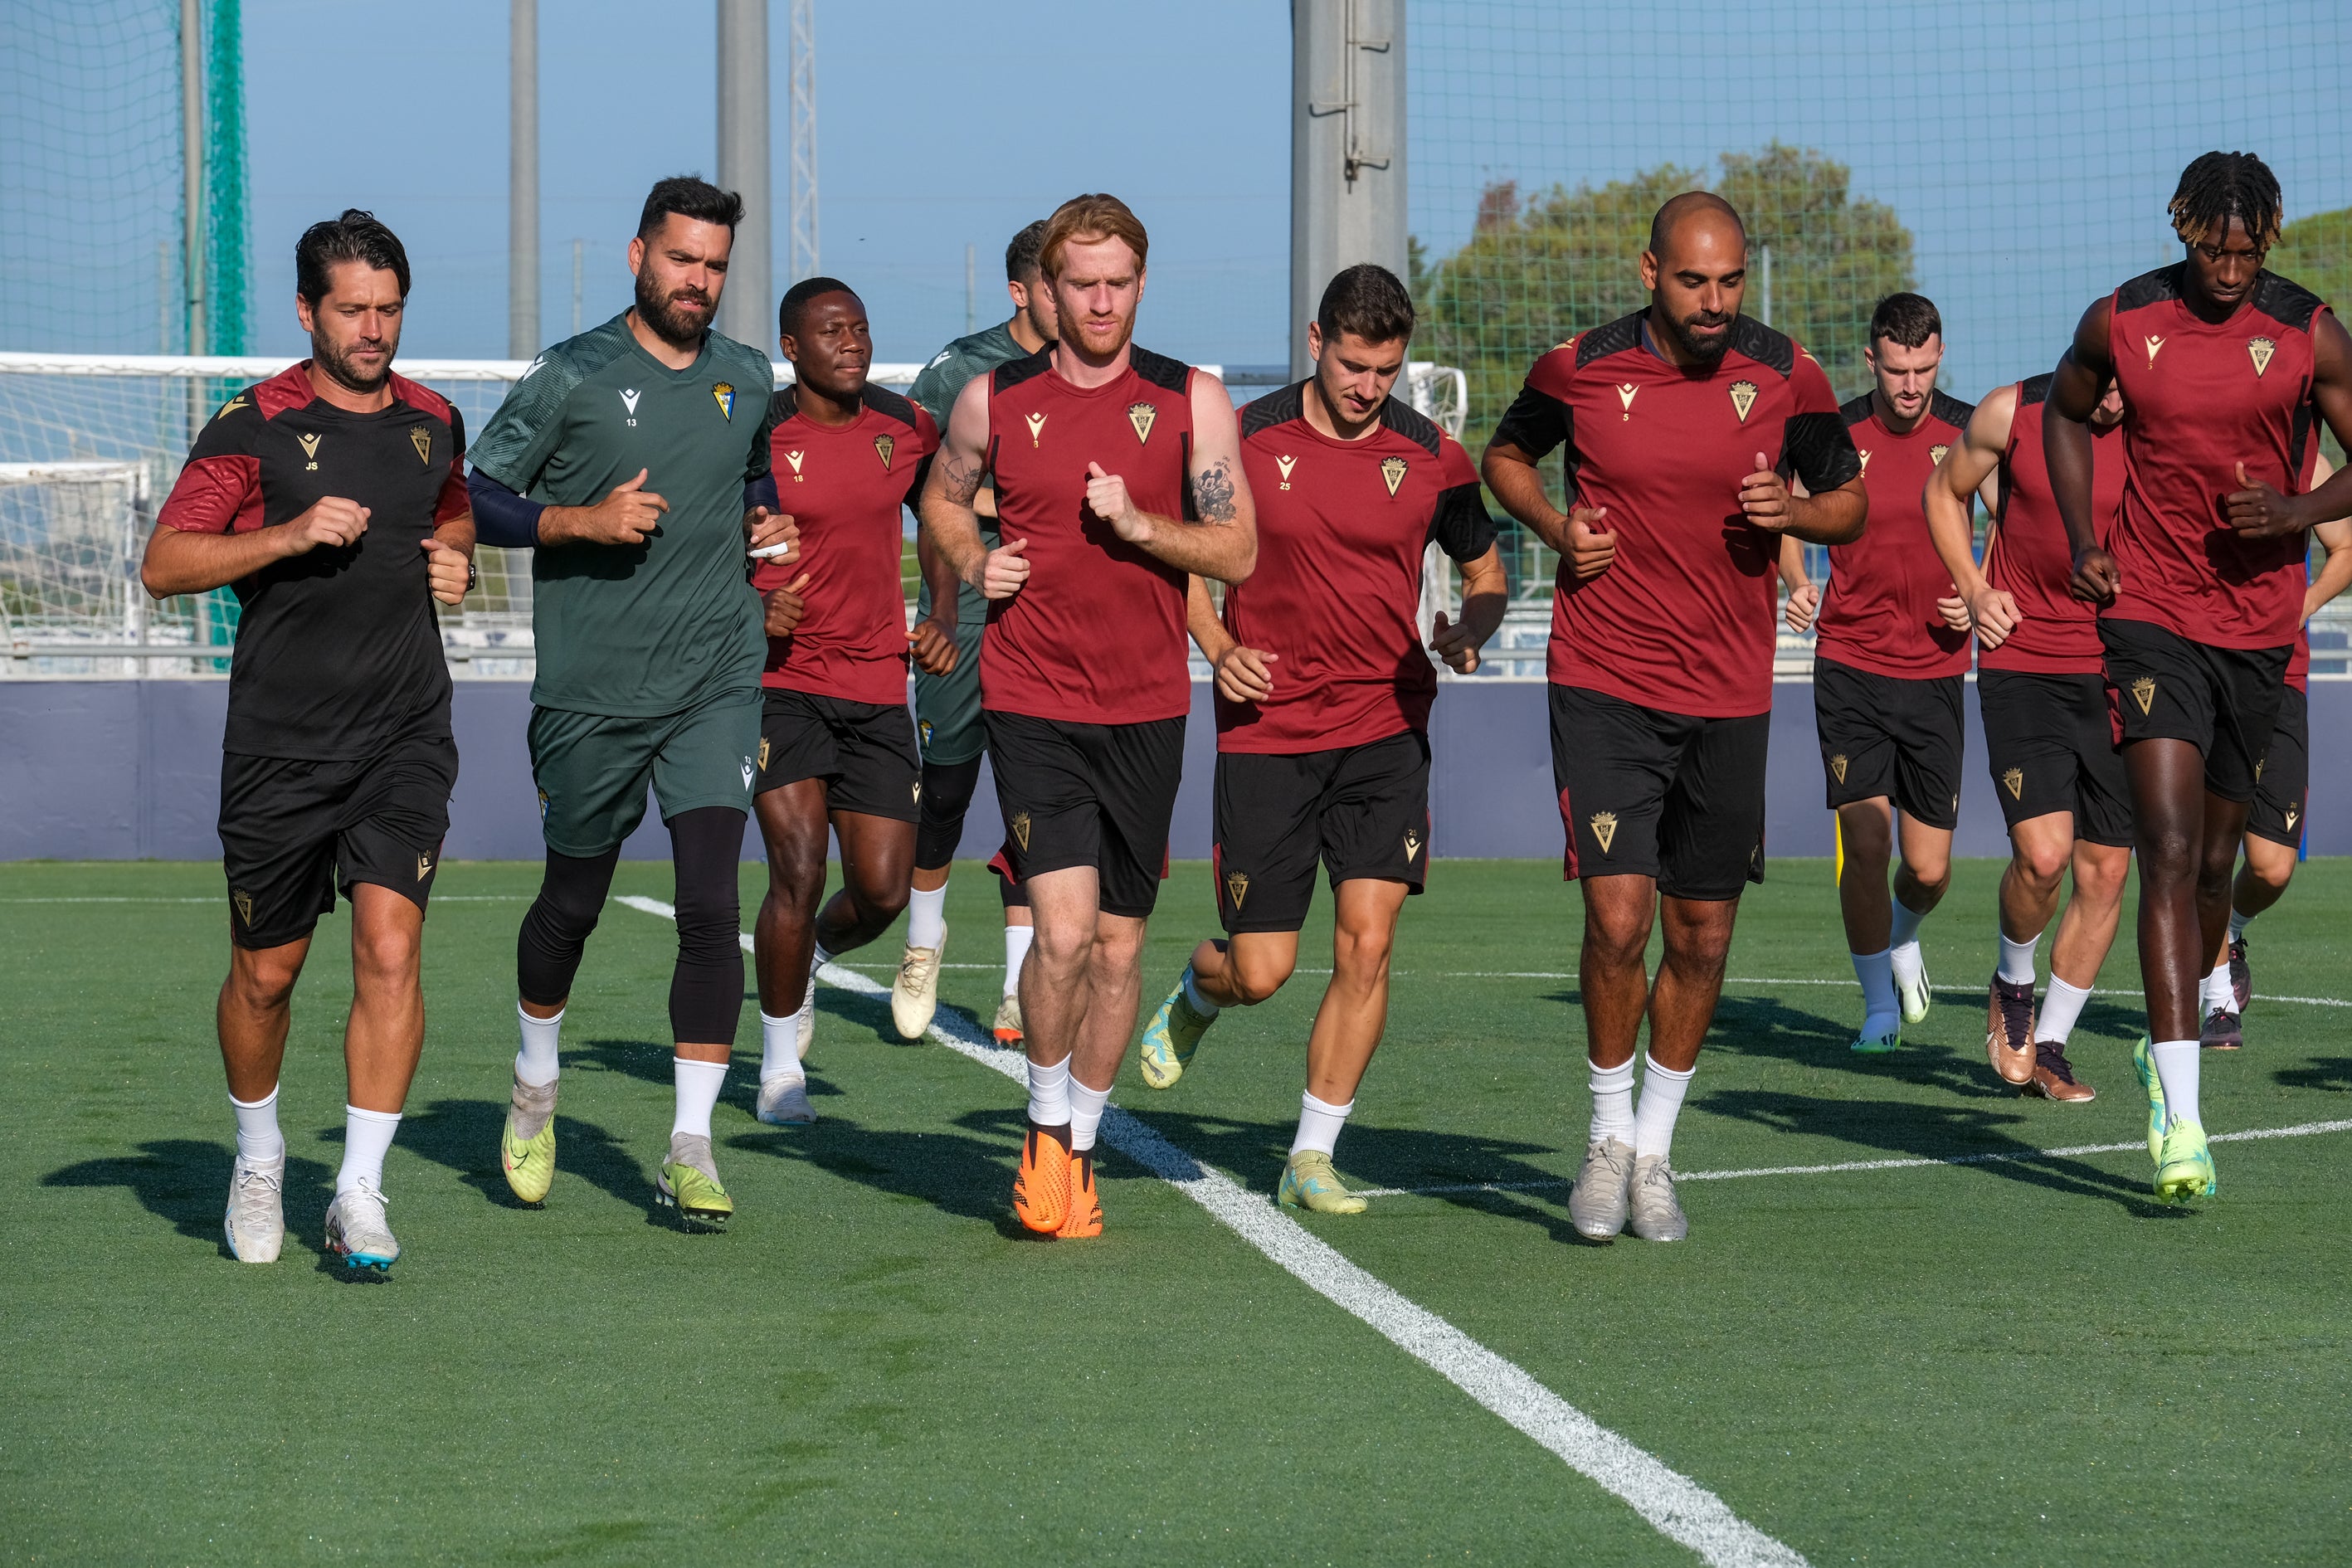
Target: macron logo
{"type": "Point", "coordinates": [629, 395]}
{"type": "Point", "coordinates": [532, 368]}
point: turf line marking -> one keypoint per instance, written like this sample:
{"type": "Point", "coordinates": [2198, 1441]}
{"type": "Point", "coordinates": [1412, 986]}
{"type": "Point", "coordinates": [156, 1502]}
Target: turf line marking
{"type": "Point", "coordinates": [1675, 1506]}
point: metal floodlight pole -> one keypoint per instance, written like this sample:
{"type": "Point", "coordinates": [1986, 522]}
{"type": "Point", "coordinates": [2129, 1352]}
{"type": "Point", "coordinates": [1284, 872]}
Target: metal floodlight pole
{"type": "Point", "coordinates": [1346, 148]}
{"type": "Point", "coordinates": [191, 161]}
{"type": "Point", "coordinates": [801, 260]}
{"type": "Point", "coordinates": [746, 308]}
{"type": "Point", "coordinates": [522, 179]}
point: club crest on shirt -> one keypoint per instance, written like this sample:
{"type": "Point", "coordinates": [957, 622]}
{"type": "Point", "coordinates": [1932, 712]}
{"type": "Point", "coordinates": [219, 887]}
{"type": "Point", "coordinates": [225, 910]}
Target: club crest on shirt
{"type": "Point", "coordinates": [423, 867]}
{"type": "Point", "coordinates": [1143, 415]}
{"type": "Point", "coordinates": [2154, 345]}
{"type": "Point", "coordinates": [422, 439]}
{"type": "Point", "coordinates": [925, 728]}
{"type": "Point", "coordinates": [2013, 781]}
{"type": "Point", "coordinates": [764, 744]}
{"type": "Point", "coordinates": [1392, 474]}
{"type": "Point", "coordinates": [724, 393]}
{"type": "Point", "coordinates": [310, 450]}
{"type": "Point", "coordinates": [1036, 424]}
{"type": "Point", "coordinates": [1743, 398]}
{"type": "Point", "coordinates": [1625, 391]}
{"type": "Point", "coordinates": [883, 447]}
{"type": "Point", "coordinates": [1236, 888]}
{"type": "Point", "coordinates": [1604, 828]}
{"type": "Point", "coordinates": [1285, 465]}
{"type": "Point", "coordinates": [1838, 766]}
{"type": "Point", "coordinates": [1936, 453]}
{"type": "Point", "coordinates": [794, 458]}
{"type": "Point", "coordinates": [1412, 845]}
{"type": "Point", "coordinates": [2258, 769]}
{"type": "Point", "coordinates": [542, 805]}
{"type": "Point", "coordinates": [2143, 692]}
{"type": "Point", "coordinates": [1020, 826]}
{"type": "Point", "coordinates": [2259, 350]}
{"type": "Point", "coordinates": [244, 902]}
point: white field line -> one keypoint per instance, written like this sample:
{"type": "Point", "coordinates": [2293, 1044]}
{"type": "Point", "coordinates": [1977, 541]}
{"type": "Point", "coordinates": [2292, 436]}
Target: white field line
{"type": "Point", "coordinates": [1675, 1506]}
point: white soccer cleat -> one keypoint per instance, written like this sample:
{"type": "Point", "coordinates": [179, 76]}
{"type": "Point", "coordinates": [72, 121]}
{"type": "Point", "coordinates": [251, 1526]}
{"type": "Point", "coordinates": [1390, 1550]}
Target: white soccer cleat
{"type": "Point", "coordinates": [255, 1222]}
{"type": "Point", "coordinates": [356, 1229]}
{"type": "Point", "coordinates": [804, 1021]}
{"type": "Point", "coordinates": [915, 995]}
{"type": "Point", "coordinates": [784, 1102]}
{"type": "Point", "coordinates": [1915, 995]}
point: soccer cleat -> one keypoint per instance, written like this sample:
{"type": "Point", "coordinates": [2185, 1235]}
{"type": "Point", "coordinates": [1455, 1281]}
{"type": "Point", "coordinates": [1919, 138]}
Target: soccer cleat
{"type": "Point", "coordinates": [2185, 1169]}
{"type": "Point", "coordinates": [1914, 995]}
{"type": "Point", "coordinates": [2009, 1030]}
{"type": "Point", "coordinates": [1008, 1022]}
{"type": "Point", "coordinates": [1308, 1182]}
{"type": "Point", "coordinates": [1652, 1211]}
{"type": "Point", "coordinates": [255, 1222]}
{"type": "Point", "coordinates": [1171, 1036]}
{"type": "Point", "coordinates": [689, 1182]}
{"type": "Point", "coordinates": [1596, 1205]}
{"type": "Point", "coordinates": [1041, 1187]}
{"type": "Point", "coordinates": [915, 995]}
{"type": "Point", "coordinates": [2053, 1075]}
{"type": "Point", "coordinates": [804, 1021]}
{"type": "Point", "coordinates": [2242, 976]}
{"type": "Point", "coordinates": [2222, 1031]}
{"type": "Point", "coordinates": [1085, 1216]}
{"type": "Point", "coordinates": [529, 1163]}
{"type": "Point", "coordinates": [1876, 1044]}
{"type": "Point", "coordinates": [2144, 1064]}
{"type": "Point", "coordinates": [356, 1230]}
{"type": "Point", "coordinates": [784, 1102]}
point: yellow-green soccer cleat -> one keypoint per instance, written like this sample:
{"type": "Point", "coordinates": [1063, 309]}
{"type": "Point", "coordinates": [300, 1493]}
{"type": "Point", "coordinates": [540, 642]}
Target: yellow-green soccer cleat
{"type": "Point", "coordinates": [529, 1162]}
{"type": "Point", "coordinates": [2185, 1170]}
{"type": "Point", "coordinates": [2144, 1064]}
{"type": "Point", "coordinates": [690, 1184]}
{"type": "Point", "coordinates": [1308, 1182]}
{"type": "Point", "coordinates": [1171, 1036]}
{"type": "Point", "coordinates": [1876, 1044]}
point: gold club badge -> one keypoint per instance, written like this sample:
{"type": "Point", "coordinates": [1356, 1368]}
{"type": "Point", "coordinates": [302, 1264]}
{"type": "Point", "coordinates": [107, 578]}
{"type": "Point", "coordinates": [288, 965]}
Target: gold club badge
{"type": "Point", "coordinates": [724, 394]}
{"type": "Point", "coordinates": [1412, 845]}
{"type": "Point", "coordinates": [1021, 830]}
{"type": "Point", "coordinates": [883, 447]}
{"type": "Point", "coordinates": [1285, 465]}
{"type": "Point", "coordinates": [244, 902]}
{"type": "Point", "coordinates": [1837, 766]}
{"type": "Point", "coordinates": [2259, 350]}
{"type": "Point", "coordinates": [422, 439]}
{"type": "Point", "coordinates": [1392, 474]}
{"type": "Point", "coordinates": [764, 744]}
{"type": "Point", "coordinates": [1236, 888]}
{"type": "Point", "coordinates": [1743, 398]}
{"type": "Point", "coordinates": [2013, 781]}
{"type": "Point", "coordinates": [2143, 692]}
{"type": "Point", "coordinates": [423, 867]}
{"type": "Point", "coordinates": [1936, 453]}
{"type": "Point", "coordinates": [1036, 424]}
{"type": "Point", "coordinates": [1604, 828]}
{"type": "Point", "coordinates": [1141, 416]}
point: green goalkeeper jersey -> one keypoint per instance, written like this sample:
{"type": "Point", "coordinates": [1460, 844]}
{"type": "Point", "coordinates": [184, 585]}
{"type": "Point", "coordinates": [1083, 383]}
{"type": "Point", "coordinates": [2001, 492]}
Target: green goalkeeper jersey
{"type": "Point", "coordinates": [647, 630]}
{"type": "Point", "coordinates": [935, 389]}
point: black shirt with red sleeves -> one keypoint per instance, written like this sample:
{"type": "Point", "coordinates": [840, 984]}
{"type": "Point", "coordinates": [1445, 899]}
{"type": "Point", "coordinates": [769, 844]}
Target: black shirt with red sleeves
{"type": "Point", "coordinates": [1879, 611]}
{"type": "Point", "coordinates": [1682, 621]}
{"type": "Point", "coordinates": [1341, 528]}
{"type": "Point", "coordinates": [338, 651]}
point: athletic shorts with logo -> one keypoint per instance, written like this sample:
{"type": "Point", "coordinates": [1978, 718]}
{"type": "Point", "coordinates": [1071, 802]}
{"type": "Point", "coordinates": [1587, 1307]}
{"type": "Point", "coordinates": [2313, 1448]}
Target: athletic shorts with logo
{"type": "Point", "coordinates": [1088, 795]}
{"type": "Point", "coordinates": [865, 752]}
{"type": "Point", "coordinates": [2222, 701]}
{"type": "Point", "coordinates": [592, 768]}
{"type": "Point", "coordinates": [2051, 747]}
{"type": "Point", "coordinates": [2282, 786]}
{"type": "Point", "coordinates": [947, 707]}
{"type": "Point", "coordinates": [1362, 811]}
{"type": "Point", "coordinates": [1670, 796]}
{"type": "Point", "coordinates": [1885, 735]}
{"type": "Point", "coordinates": [294, 832]}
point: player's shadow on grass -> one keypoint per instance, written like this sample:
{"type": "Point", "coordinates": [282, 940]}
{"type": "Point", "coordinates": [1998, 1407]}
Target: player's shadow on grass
{"type": "Point", "coordinates": [1907, 1129]}
{"type": "Point", "coordinates": [652, 1063]}
{"type": "Point", "coordinates": [1764, 1026]}
{"type": "Point", "coordinates": [184, 1181]}
{"type": "Point", "coordinates": [970, 1176]}
{"type": "Point", "coordinates": [2331, 1073]}
{"type": "Point", "coordinates": [463, 1135]}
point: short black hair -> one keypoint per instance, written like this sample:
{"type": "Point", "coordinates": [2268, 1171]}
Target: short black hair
{"type": "Point", "coordinates": [1020, 256]}
{"type": "Point", "coordinates": [2220, 186]}
{"type": "Point", "coordinates": [797, 298]}
{"type": "Point", "coordinates": [691, 196]}
{"type": "Point", "coordinates": [1906, 321]}
{"type": "Point", "coordinates": [354, 236]}
{"type": "Point", "coordinates": [1368, 301]}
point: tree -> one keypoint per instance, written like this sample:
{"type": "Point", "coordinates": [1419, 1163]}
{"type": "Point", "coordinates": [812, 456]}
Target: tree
{"type": "Point", "coordinates": [2316, 252]}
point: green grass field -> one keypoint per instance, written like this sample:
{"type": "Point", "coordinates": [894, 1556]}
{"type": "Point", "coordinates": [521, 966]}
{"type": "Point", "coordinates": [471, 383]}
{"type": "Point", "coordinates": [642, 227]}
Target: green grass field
{"type": "Point", "coordinates": [2023, 1360]}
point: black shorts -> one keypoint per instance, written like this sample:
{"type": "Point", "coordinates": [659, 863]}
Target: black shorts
{"type": "Point", "coordinates": [2222, 701]}
{"type": "Point", "coordinates": [1088, 795]}
{"type": "Point", "coordinates": [1363, 811]}
{"type": "Point", "coordinates": [293, 833]}
{"type": "Point", "coordinates": [865, 752]}
{"type": "Point", "coordinates": [2052, 748]}
{"type": "Point", "coordinates": [1646, 793]}
{"type": "Point", "coordinates": [1887, 735]}
{"type": "Point", "coordinates": [2283, 781]}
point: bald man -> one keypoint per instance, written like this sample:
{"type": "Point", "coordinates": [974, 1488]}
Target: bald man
{"type": "Point", "coordinates": [1673, 420]}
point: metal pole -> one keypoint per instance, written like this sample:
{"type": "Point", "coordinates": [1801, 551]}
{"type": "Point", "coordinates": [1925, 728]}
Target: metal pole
{"type": "Point", "coordinates": [1346, 147]}
{"type": "Point", "coordinates": [522, 179]}
{"type": "Point", "coordinates": [192, 160]}
{"type": "Point", "coordinates": [747, 310]}
{"type": "Point", "coordinates": [801, 258]}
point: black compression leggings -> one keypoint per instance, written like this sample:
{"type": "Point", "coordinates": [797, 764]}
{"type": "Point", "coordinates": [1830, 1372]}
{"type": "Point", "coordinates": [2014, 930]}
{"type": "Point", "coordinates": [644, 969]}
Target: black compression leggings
{"type": "Point", "coordinates": [948, 789]}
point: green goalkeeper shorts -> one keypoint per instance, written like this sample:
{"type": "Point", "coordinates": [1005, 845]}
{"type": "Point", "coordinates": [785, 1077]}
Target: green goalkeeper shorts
{"type": "Point", "coordinates": [593, 769]}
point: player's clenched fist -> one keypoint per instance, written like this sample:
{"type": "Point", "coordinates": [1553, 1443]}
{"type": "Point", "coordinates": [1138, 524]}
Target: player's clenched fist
{"type": "Point", "coordinates": [1764, 496]}
{"type": "Point", "coordinates": [1106, 498]}
{"type": "Point", "coordinates": [626, 516]}
{"type": "Point", "coordinates": [770, 536]}
{"type": "Point", "coordinates": [447, 571]}
{"type": "Point", "coordinates": [1591, 549]}
{"type": "Point", "coordinates": [784, 607]}
{"type": "Point", "coordinates": [331, 520]}
{"type": "Point", "coordinates": [1244, 674]}
{"type": "Point", "coordinates": [1003, 570]}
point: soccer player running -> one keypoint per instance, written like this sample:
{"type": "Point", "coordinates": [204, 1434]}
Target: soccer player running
{"type": "Point", "coordinates": [2223, 368]}
{"type": "Point", "coordinates": [332, 498]}
{"type": "Point", "coordinates": [836, 747]}
{"type": "Point", "coordinates": [1117, 471]}
{"type": "Point", "coordinates": [1682, 424]}
{"type": "Point", "coordinates": [2048, 739]}
{"type": "Point", "coordinates": [1323, 701]}
{"type": "Point", "coordinates": [950, 616]}
{"type": "Point", "coordinates": [622, 456]}
{"type": "Point", "coordinates": [1888, 674]}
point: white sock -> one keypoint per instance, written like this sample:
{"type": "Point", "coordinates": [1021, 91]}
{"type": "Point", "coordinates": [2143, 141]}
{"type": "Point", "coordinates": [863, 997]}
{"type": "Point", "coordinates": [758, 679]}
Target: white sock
{"type": "Point", "coordinates": [1879, 1013]}
{"type": "Point", "coordinates": [2060, 1006]}
{"type": "Point", "coordinates": [1661, 1100]}
{"type": "Point", "coordinates": [1612, 1102]}
{"type": "Point", "coordinates": [1906, 930]}
{"type": "Point", "coordinates": [2217, 994]}
{"type": "Point", "coordinates": [926, 916]}
{"type": "Point", "coordinates": [779, 1047]}
{"type": "Point", "coordinates": [258, 1138]}
{"type": "Point", "coordinates": [1198, 1003]}
{"type": "Point", "coordinates": [2237, 925]}
{"type": "Point", "coordinates": [2176, 1068]}
{"type": "Point", "coordinates": [1906, 963]}
{"type": "Point", "coordinates": [2017, 959]}
{"type": "Point", "coordinates": [1016, 952]}
{"type": "Point", "coordinates": [1318, 1124]}
{"type": "Point", "coordinates": [537, 1064]}
{"type": "Point", "coordinates": [1086, 1113]}
{"type": "Point", "coordinates": [818, 959]}
{"type": "Point", "coordinates": [367, 1138]}
{"type": "Point", "coordinates": [698, 1084]}
{"type": "Point", "coordinates": [1049, 1094]}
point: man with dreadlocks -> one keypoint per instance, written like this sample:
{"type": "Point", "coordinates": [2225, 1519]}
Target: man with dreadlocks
{"type": "Point", "coordinates": [2222, 367]}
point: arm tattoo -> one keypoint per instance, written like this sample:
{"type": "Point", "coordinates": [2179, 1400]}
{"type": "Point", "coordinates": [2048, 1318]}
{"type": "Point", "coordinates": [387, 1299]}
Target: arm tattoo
{"type": "Point", "coordinates": [962, 477]}
{"type": "Point", "coordinates": [1213, 492]}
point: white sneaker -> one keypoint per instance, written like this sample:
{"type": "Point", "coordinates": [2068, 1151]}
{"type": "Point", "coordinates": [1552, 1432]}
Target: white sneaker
{"type": "Point", "coordinates": [255, 1222]}
{"type": "Point", "coordinates": [915, 995]}
{"type": "Point", "coordinates": [356, 1229]}
{"type": "Point", "coordinates": [784, 1102]}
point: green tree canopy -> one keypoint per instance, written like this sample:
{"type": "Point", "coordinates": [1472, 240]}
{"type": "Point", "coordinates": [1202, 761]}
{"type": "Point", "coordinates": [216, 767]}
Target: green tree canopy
{"type": "Point", "coordinates": [2316, 252]}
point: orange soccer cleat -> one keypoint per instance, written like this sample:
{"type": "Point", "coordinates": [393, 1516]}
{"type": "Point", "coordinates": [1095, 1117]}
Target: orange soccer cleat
{"type": "Point", "coordinates": [1084, 1217]}
{"type": "Point", "coordinates": [1041, 1189]}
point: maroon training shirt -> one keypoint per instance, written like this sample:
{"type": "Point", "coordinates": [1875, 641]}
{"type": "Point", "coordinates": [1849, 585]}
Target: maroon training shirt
{"type": "Point", "coordinates": [1341, 527]}
{"type": "Point", "coordinates": [2056, 633]}
{"type": "Point", "coordinates": [1683, 619]}
{"type": "Point", "coordinates": [1879, 611]}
